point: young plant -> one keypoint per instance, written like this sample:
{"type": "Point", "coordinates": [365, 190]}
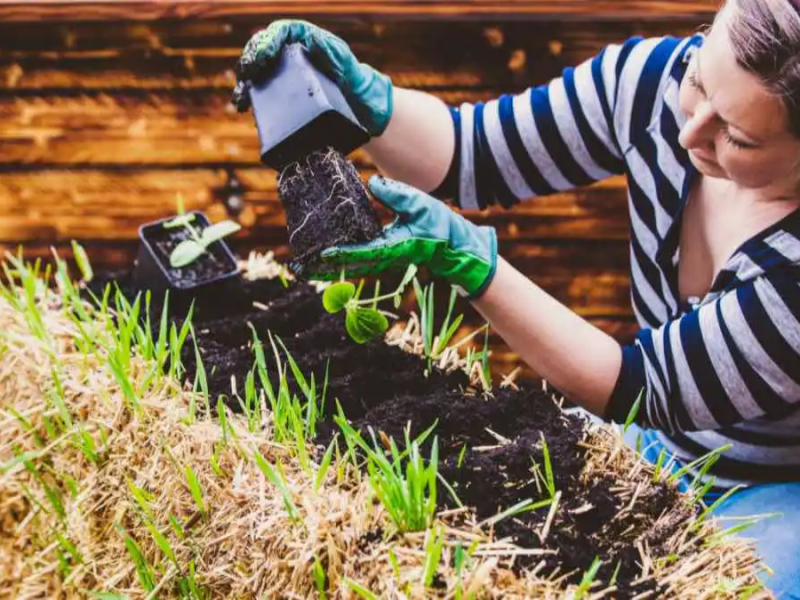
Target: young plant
{"type": "Point", "coordinates": [361, 321]}
{"type": "Point", "coordinates": [404, 484]}
{"type": "Point", "coordinates": [546, 479]}
{"type": "Point", "coordinates": [190, 250]}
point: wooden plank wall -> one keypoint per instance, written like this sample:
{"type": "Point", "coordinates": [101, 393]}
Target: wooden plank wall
{"type": "Point", "coordinates": [106, 116]}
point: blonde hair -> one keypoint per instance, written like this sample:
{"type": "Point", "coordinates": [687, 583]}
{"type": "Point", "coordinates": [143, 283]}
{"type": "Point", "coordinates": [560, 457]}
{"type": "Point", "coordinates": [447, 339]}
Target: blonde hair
{"type": "Point", "coordinates": [765, 35]}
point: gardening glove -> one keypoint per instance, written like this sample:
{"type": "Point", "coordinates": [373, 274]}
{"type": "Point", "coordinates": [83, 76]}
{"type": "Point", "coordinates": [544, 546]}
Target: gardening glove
{"type": "Point", "coordinates": [368, 92]}
{"type": "Point", "coordinates": [424, 232]}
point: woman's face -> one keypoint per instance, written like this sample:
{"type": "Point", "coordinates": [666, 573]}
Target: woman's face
{"type": "Point", "coordinates": [736, 129]}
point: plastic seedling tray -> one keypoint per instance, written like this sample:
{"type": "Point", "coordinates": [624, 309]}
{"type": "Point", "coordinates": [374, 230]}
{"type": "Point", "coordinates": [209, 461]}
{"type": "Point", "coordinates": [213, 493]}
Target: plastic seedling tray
{"type": "Point", "coordinates": [216, 270]}
{"type": "Point", "coordinates": [299, 110]}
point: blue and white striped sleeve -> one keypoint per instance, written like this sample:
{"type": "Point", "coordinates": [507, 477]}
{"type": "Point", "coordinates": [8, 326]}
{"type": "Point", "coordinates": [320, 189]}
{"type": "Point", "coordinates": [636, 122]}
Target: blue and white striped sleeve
{"type": "Point", "coordinates": [733, 359]}
{"type": "Point", "coordinates": [547, 139]}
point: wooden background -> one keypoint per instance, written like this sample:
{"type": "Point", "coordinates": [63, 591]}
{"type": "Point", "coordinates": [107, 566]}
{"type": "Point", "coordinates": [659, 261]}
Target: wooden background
{"type": "Point", "coordinates": [108, 110]}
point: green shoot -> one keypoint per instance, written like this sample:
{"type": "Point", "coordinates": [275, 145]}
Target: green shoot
{"type": "Point", "coordinates": [433, 552]}
{"type": "Point", "coordinates": [461, 455]}
{"type": "Point", "coordinates": [215, 466]}
{"type": "Point", "coordinates": [143, 499]}
{"type": "Point", "coordinates": [196, 490]}
{"type": "Point", "coordinates": [710, 459]}
{"type": "Point", "coordinates": [659, 465]}
{"type": "Point", "coordinates": [588, 579]}
{"type": "Point", "coordinates": [633, 413]}
{"type": "Point", "coordinates": [614, 577]}
{"type": "Point", "coordinates": [406, 489]}
{"type": "Point", "coordinates": [279, 482]}
{"type": "Point", "coordinates": [360, 589]}
{"type": "Point", "coordinates": [449, 328]}
{"type": "Point", "coordinates": [548, 469]}
{"type": "Point", "coordinates": [320, 579]}
{"type": "Point", "coordinates": [143, 569]}
{"type": "Point", "coordinates": [324, 466]}
{"type": "Point", "coordinates": [162, 542]}
{"type": "Point", "coordinates": [519, 508]}
{"type": "Point", "coordinates": [82, 260]}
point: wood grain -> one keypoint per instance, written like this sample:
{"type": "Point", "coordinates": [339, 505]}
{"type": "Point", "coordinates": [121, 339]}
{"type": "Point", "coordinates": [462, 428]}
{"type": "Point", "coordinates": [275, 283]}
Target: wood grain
{"type": "Point", "coordinates": [150, 10]}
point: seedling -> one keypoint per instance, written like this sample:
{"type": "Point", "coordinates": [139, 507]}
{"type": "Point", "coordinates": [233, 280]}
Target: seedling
{"type": "Point", "coordinates": [405, 486]}
{"type": "Point", "coordinates": [361, 321]}
{"type": "Point", "coordinates": [588, 579]}
{"type": "Point", "coordinates": [190, 250]}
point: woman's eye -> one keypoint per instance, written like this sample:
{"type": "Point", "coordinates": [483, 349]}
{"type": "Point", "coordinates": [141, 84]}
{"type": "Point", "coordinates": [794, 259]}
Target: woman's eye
{"type": "Point", "coordinates": [737, 143]}
{"type": "Point", "coordinates": [693, 81]}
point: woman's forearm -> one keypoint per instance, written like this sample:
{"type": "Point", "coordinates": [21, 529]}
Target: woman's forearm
{"type": "Point", "coordinates": [571, 354]}
{"type": "Point", "coordinates": [417, 146]}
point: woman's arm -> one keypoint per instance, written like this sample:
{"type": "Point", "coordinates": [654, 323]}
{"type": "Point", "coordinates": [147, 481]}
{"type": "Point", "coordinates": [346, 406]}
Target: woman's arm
{"type": "Point", "coordinates": [546, 139]}
{"type": "Point", "coordinates": [573, 355]}
{"type": "Point", "coordinates": [734, 358]}
{"type": "Point", "coordinates": [418, 145]}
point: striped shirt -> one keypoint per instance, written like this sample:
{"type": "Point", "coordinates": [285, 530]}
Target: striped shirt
{"type": "Point", "coordinates": [725, 370]}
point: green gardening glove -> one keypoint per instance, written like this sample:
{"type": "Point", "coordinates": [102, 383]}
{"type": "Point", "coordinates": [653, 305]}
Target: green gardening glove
{"type": "Point", "coordinates": [368, 92]}
{"type": "Point", "coordinates": [425, 232]}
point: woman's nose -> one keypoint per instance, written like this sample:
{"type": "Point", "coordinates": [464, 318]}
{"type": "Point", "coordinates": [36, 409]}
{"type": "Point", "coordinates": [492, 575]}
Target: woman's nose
{"type": "Point", "coordinates": [700, 129]}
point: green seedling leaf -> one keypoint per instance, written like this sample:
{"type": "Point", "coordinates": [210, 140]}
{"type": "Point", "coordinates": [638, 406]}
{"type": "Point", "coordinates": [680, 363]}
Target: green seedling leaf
{"type": "Point", "coordinates": [588, 579]}
{"type": "Point", "coordinates": [185, 253]}
{"type": "Point", "coordinates": [182, 220]}
{"type": "Point", "coordinates": [336, 296]}
{"type": "Point", "coordinates": [108, 596]}
{"type": "Point", "coordinates": [433, 552]}
{"type": "Point", "coordinates": [217, 231]}
{"type": "Point", "coordinates": [162, 543]}
{"type": "Point", "coordinates": [195, 489]}
{"type": "Point", "coordinates": [461, 456]}
{"type": "Point", "coordinates": [324, 466]}
{"type": "Point", "coordinates": [319, 578]}
{"type": "Point", "coordinates": [82, 260]}
{"type": "Point", "coordinates": [363, 324]}
{"type": "Point", "coordinates": [360, 589]}
{"type": "Point", "coordinates": [633, 413]}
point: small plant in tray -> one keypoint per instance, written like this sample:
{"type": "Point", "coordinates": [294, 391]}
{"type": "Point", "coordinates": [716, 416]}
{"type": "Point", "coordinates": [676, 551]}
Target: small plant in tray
{"type": "Point", "coordinates": [185, 253]}
{"type": "Point", "coordinates": [189, 250]}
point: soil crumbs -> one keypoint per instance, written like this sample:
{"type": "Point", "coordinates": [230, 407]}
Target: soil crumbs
{"type": "Point", "coordinates": [326, 205]}
{"type": "Point", "coordinates": [489, 446]}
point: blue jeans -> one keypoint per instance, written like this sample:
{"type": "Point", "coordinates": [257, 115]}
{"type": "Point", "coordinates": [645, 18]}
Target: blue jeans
{"type": "Point", "coordinates": [777, 538]}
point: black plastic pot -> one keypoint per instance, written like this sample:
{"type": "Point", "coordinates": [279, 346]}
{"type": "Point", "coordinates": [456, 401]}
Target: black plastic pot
{"type": "Point", "coordinates": [214, 271]}
{"type": "Point", "coordinates": [300, 110]}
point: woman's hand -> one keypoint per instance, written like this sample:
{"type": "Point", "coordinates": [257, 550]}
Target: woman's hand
{"type": "Point", "coordinates": [425, 232]}
{"type": "Point", "coordinates": [368, 92]}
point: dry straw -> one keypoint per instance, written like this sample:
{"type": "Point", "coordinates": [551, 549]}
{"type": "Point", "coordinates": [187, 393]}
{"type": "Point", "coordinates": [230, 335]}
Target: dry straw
{"type": "Point", "coordinates": [190, 501]}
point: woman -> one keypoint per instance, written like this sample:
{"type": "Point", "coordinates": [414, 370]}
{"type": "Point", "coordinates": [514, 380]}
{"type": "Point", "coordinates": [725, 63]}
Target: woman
{"type": "Point", "coordinates": [707, 131]}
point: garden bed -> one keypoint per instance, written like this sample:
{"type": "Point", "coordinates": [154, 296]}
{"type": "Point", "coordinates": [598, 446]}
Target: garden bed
{"type": "Point", "coordinates": [129, 482]}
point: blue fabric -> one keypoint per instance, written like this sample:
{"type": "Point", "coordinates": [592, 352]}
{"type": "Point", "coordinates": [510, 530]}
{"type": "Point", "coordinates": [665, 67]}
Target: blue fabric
{"type": "Point", "coordinates": [776, 535]}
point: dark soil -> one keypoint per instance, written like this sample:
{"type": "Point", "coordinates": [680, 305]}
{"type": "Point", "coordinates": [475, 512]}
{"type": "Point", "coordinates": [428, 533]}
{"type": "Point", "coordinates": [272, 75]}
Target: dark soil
{"type": "Point", "coordinates": [385, 388]}
{"type": "Point", "coordinates": [210, 265]}
{"type": "Point", "coordinates": [326, 205]}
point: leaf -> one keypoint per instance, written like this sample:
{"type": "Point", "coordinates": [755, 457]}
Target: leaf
{"type": "Point", "coordinates": [336, 296]}
{"type": "Point", "coordinates": [180, 221]}
{"type": "Point", "coordinates": [365, 323]}
{"type": "Point", "coordinates": [185, 253]}
{"type": "Point", "coordinates": [217, 231]}
{"type": "Point", "coordinates": [82, 260]}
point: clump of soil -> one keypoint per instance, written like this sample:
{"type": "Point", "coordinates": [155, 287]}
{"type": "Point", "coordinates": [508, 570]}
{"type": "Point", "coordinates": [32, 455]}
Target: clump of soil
{"type": "Point", "coordinates": [326, 205]}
